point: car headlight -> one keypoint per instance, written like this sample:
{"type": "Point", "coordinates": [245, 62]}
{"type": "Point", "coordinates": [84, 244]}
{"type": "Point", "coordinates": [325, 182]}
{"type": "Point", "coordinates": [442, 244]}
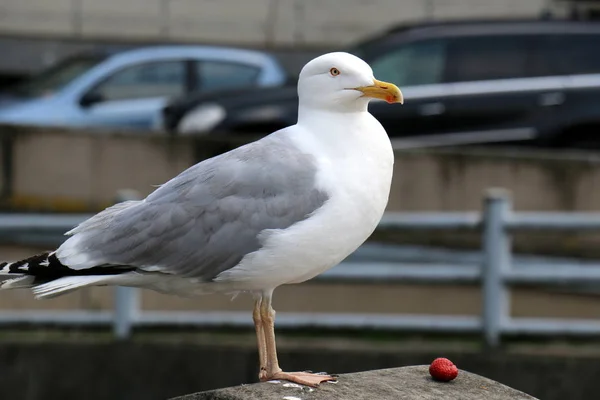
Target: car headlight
{"type": "Point", "coordinates": [201, 119]}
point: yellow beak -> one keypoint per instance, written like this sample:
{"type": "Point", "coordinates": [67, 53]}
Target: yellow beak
{"type": "Point", "coordinates": [382, 90]}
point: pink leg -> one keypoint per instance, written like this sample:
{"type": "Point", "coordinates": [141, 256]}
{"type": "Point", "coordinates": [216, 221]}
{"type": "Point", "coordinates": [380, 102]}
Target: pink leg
{"type": "Point", "coordinates": [273, 371]}
{"type": "Point", "coordinates": [260, 338]}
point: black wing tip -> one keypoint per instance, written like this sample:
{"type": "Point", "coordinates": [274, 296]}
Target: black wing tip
{"type": "Point", "coordinates": [47, 267]}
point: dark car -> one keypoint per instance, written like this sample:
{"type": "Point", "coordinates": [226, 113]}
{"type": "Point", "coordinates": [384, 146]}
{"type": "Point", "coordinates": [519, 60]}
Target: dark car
{"type": "Point", "coordinates": [463, 82]}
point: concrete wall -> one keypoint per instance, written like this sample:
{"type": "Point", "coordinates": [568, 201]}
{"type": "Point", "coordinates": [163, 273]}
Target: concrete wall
{"type": "Point", "coordinates": [79, 171]}
{"type": "Point", "coordinates": [254, 22]}
{"type": "Point", "coordinates": [72, 171]}
{"type": "Point", "coordinates": [455, 179]}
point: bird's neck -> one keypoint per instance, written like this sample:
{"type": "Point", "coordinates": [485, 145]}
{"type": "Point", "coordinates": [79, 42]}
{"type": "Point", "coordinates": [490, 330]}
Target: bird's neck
{"type": "Point", "coordinates": [342, 108]}
{"type": "Point", "coordinates": [317, 119]}
{"type": "Point", "coordinates": [345, 134]}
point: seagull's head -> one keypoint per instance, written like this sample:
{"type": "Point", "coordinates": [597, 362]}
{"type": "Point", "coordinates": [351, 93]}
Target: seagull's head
{"type": "Point", "coordinates": [342, 82]}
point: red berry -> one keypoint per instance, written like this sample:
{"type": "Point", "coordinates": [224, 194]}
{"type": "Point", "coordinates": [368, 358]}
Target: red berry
{"type": "Point", "coordinates": [442, 369]}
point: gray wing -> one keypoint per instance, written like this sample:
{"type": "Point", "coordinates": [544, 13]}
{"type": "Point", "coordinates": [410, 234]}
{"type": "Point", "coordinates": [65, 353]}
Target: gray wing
{"type": "Point", "coordinates": [205, 220]}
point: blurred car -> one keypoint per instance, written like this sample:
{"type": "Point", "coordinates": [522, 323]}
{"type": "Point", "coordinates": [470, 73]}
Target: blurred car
{"type": "Point", "coordinates": [129, 88]}
{"type": "Point", "coordinates": [535, 81]}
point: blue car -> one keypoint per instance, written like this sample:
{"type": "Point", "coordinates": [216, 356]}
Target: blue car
{"type": "Point", "coordinates": [127, 89]}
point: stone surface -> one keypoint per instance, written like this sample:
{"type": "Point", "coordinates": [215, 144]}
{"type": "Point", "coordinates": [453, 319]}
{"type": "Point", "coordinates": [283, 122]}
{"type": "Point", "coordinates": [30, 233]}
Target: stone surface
{"type": "Point", "coordinates": [396, 383]}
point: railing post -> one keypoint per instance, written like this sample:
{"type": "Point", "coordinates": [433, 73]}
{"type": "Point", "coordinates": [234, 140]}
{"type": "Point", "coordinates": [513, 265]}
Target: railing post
{"type": "Point", "coordinates": [126, 311]}
{"type": "Point", "coordinates": [126, 299]}
{"type": "Point", "coordinates": [496, 260]}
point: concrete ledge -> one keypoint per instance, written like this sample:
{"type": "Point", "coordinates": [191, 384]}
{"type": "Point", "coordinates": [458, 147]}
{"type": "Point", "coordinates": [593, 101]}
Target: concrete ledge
{"type": "Point", "coordinates": [394, 383]}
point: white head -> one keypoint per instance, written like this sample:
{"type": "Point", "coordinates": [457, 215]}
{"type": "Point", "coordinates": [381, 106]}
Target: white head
{"type": "Point", "coordinates": [342, 82]}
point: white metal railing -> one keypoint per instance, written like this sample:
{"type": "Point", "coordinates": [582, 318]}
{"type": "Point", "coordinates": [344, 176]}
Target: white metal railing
{"type": "Point", "coordinates": [496, 274]}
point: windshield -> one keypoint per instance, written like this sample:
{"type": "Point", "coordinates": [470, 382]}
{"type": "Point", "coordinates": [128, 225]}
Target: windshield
{"type": "Point", "coordinates": [56, 77]}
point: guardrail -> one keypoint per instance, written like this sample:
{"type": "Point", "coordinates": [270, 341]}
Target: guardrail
{"type": "Point", "coordinates": [496, 274]}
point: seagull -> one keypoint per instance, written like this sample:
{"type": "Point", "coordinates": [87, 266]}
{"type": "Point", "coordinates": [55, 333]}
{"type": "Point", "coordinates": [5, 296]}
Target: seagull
{"type": "Point", "coordinates": [280, 210]}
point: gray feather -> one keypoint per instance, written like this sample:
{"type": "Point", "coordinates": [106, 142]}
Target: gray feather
{"type": "Point", "coordinates": [205, 220]}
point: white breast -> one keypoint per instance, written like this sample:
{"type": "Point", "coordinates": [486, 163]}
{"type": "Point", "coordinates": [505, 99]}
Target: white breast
{"type": "Point", "coordinates": [355, 161]}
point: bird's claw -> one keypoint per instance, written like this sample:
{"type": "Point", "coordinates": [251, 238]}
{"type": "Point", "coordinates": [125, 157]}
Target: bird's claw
{"type": "Point", "coordinates": [302, 378]}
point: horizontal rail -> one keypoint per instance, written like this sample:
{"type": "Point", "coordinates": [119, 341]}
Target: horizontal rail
{"type": "Point", "coordinates": [291, 320]}
{"type": "Point", "coordinates": [428, 221]}
{"type": "Point", "coordinates": [243, 319]}
{"type": "Point", "coordinates": [40, 222]}
{"type": "Point", "coordinates": [396, 220]}
{"type": "Point", "coordinates": [539, 275]}
{"type": "Point", "coordinates": [391, 220]}
{"type": "Point", "coordinates": [321, 320]}
{"type": "Point", "coordinates": [71, 318]}
{"type": "Point", "coordinates": [379, 272]}
{"type": "Point", "coordinates": [550, 326]}
{"type": "Point", "coordinates": [556, 221]}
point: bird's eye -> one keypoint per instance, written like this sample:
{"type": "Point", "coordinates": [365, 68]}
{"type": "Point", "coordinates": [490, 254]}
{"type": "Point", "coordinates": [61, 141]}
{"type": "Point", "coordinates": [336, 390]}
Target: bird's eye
{"type": "Point", "coordinates": [334, 71]}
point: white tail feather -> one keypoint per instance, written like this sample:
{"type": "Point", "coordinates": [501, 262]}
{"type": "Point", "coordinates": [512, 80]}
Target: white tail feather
{"type": "Point", "coordinates": [67, 284]}
{"type": "Point", "coordinates": [18, 283]}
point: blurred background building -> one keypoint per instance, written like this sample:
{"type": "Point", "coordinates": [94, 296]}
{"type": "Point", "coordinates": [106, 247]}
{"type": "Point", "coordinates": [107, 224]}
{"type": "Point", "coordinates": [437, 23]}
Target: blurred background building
{"type": "Point", "coordinates": [35, 33]}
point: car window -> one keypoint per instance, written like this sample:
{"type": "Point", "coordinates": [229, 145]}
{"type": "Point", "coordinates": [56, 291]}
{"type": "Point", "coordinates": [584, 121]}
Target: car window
{"type": "Point", "coordinates": [56, 77]}
{"type": "Point", "coordinates": [218, 75]}
{"type": "Point", "coordinates": [419, 63]}
{"type": "Point", "coordinates": [477, 58]}
{"type": "Point", "coordinates": [156, 79]}
{"type": "Point", "coordinates": [572, 54]}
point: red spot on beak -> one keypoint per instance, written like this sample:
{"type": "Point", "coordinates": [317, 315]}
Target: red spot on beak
{"type": "Point", "coordinates": [390, 99]}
